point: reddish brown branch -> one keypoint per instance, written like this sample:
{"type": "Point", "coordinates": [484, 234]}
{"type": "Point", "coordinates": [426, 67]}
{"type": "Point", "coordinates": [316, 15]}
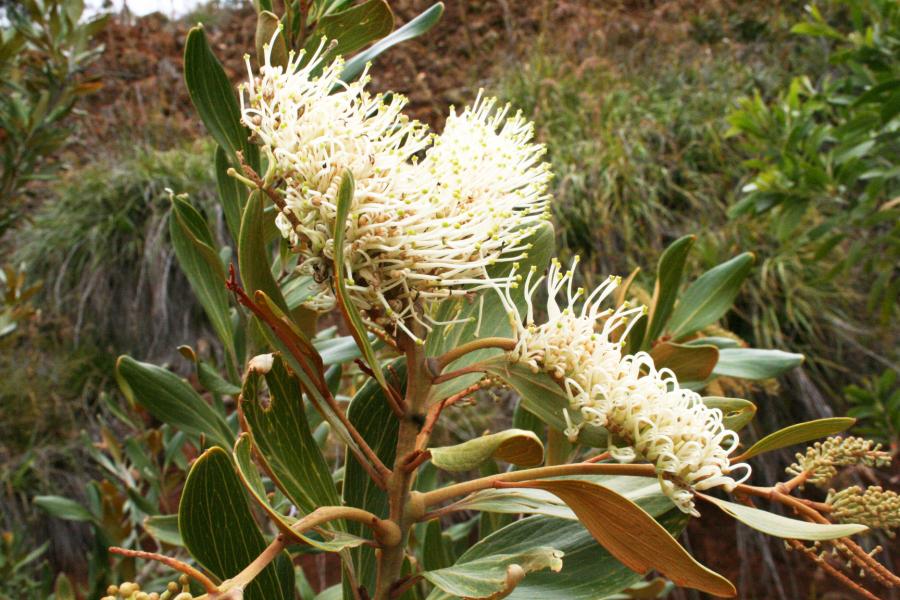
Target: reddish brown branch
{"type": "Point", "coordinates": [600, 457]}
{"type": "Point", "coordinates": [173, 563]}
{"type": "Point", "coordinates": [831, 570]}
{"type": "Point", "coordinates": [435, 411]}
{"type": "Point", "coordinates": [416, 459]}
{"type": "Point", "coordinates": [273, 195]}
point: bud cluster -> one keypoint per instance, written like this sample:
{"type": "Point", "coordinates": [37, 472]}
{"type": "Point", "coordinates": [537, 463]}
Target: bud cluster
{"type": "Point", "coordinates": [874, 507]}
{"type": "Point", "coordinates": [430, 213]}
{"type": "Point", "coordinates": [129, 590]}
{"type": "Point", "coordinates": [822, 459]}
{"type": "Point", "coordinates": [641, 405]}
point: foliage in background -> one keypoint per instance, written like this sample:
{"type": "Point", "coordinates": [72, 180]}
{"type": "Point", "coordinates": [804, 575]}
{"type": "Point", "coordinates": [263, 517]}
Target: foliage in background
{"type": "Point", "coordinates": [825, 152]}
{"type": "Point", "coordinates": [876, 406]}
{"type": "Point", "coordinates": [43, 54]}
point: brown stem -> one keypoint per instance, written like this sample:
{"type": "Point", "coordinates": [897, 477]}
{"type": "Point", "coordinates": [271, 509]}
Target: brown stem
{"type": "Point", "coordinates": [438, 364]}
{"type": "Point", "coordinates": [467, 487]}
{"type": "Point", "coordinates": [176, 564]}
{"type": "Point", "coordinates": [435, 411]}
{"type": "Point", "coordinates": [599, 458]}
{"type": "Point", "coordinates": [792, 484]}
{"type": "Point", "coordinates": [417, 458]}
{"type": "Point", "coordinates": [404, 586]}
{"type": "Point", "coordinates": [385, 533]}
{"type": "Point", "coordinates": [476, 368]}
{"type": "Point", "coordinates": [273, 195]}
{"type": "Point", "coordinates": [831, 570]}
{"type": "Point", "coordinates": [402, 511]}
{"type": "Point", "coordinates": [810, 513]}
{"type": "Point", "coordinates": [304, 9]}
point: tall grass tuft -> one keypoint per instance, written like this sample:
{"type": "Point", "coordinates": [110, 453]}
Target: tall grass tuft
{"type": "Point", "coordinates": [100, 243]}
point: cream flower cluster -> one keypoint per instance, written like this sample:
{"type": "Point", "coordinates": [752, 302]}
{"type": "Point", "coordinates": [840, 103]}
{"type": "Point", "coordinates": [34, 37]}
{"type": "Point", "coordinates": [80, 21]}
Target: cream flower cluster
{"type": "Point", "coordinates": [419, 230]}
{"type": "Point", "coordinates": [659, 422]}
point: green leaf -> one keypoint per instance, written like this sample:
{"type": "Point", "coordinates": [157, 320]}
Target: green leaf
{"type": "Point", "coordinates": [414, 28]}
{"type": "Point", "coordinates": [516, 446]}
{"type": "Point", "coordinates": [63, 508]}
{"type": "Point", "coordinates": [486, 314]}
{"type": "Point", "coordinates": [816, 29]}
{"type": "Point", "coordinates": [164, 528]}
{"type": "Point", "coordinates": [689, 363]}
{"type": "Point", "coordinates": [282, 437]}
{"type": "Point", "coordinates": [215, 100]}
{"type": "Point", "coordinates": [798, 434]}
{"type": "Point", "coordinates": [195, 248]}
{"type": "Point", "coordinates": [62, 589]}
{"type": "Point", "coordinates": [588, 573]}
{"type": "Point", "coordinates": [437, 548]}
{"type": "Point", "coordinates": [632, 536]}
{"type": "Point", "coordinates": [340, 350]}
{"type": "Point", "coordinates": [754, 363]}
{"type": "Point", "coordinates": [210, 379]}
{"type": "Point", "coordinates": [218, 529]}
{"type": "Point", "coordinates": [253, 253]}
{"type": "Point", "coordinates": [351, 314]}
{"type": "Point", "coordinates": [353, 28]}
{"type": "Point", "coordinates": [494, 576]}
{"type": "Point", "coordinates": [370, 414]}
{"type": "Point", "coordinates": [784, 527]}
{"type": "Point", "coordinates": [267, 24]}
{"type": "Point", "coordinates": [669, 272]}
{"type": "Point", "coordinates": [719, 342]}
{"type": "Point", "coordinates": [333, 541]}
{"type": "Point", "coordinates": [543, 397]}
{"type": "Point", "coordinates": [170, 399]}
{"type": "Point", "coordinates": [736, 412]}
{"type": "Point", "coordinates": [231, 193]}
{"type": "Point", "coordinates": [710, 296]}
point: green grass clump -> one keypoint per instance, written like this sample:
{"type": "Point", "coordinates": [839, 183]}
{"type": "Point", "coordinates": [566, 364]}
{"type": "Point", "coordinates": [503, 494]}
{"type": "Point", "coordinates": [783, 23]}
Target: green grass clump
{"type": "Point", "coordinates": [638, 153]}
{"type": "Point", "coordinates": [100, 244]}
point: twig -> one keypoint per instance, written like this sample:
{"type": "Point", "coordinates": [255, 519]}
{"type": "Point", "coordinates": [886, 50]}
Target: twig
{"type": "Point", "coordinates": [435, 411]}
{"type": "Point", "coordinates": [860, 556]}
{"type": "Point", "coordinates": [403, 586]}
{"type": "Point", "coordinates": [467, 487]}
{"type": "Point", "coordinates": [831, 570]}
{"type": "Point", "coordinates": [600, 457]}
{"type": "Point", "coordinates": [436, 365]}
{"type": "Point", "coordinates": [416, 459]}
{"type": "Point", "coordinates": [273, 195]}
{"type": "Point", "coordinates": [476, 368]}
{"type": "Point", "coordinates": [174, 563]}
{"type": "Point", "coordinates": [385, 532]}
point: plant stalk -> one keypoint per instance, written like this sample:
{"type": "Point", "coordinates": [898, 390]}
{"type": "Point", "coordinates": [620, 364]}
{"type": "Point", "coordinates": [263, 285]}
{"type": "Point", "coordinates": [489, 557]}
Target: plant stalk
{"type": "Point", "coordinates": [403, 513]}
{"type": "Point", "coordinates": [467, 487]}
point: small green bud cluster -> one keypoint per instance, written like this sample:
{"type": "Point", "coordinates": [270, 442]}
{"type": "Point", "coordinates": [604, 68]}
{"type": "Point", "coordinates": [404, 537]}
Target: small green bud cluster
{"type": "Point", "coordinates": [129, 590]}
{"type": "Point", "coordinates": [875, 507]}
{"type": "Point", "coordinates": [822, 459]}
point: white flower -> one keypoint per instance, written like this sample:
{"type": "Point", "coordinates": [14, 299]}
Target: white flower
{"type": "Point", "coordinates": [313, 128]}
{"type": "Point", "coordinates": [418, 232]}
{"type": "Point", "coordinates": [659, 422]}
